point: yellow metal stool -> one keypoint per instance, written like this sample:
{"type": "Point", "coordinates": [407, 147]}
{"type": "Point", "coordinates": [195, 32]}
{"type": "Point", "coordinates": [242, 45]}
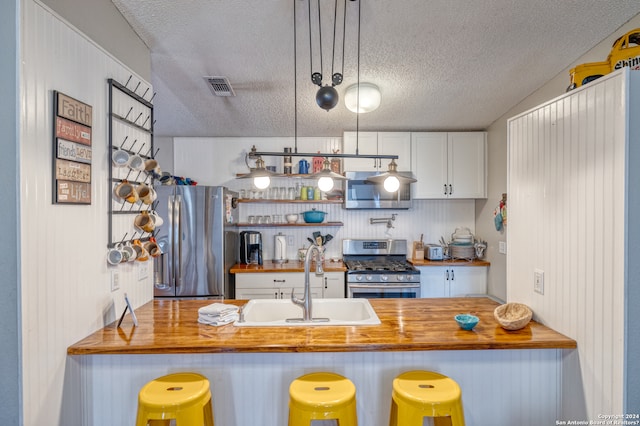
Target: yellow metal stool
{"type": "Point", "coordinates": [419, 394]}
{"type": "Point", "coordinates": [184, 397]}
{"type": "Point", "coordinates": [322, 396]}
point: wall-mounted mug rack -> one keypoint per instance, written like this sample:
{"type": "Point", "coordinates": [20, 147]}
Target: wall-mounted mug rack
{"type": "Point", "coordinates": [131, 159]}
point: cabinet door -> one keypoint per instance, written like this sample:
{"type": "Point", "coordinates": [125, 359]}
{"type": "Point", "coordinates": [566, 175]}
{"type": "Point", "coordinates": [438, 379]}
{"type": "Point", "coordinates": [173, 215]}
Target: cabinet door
{"type": "Point", "coordinates": [432, 282]}
{"type": "Point", "coordinates": [333, 285]}
{"type": "Point", "coordinates": [367, 143]}
{"type": "Point", "coordinates": [467, 165]}
{"type": "Point", "coordinates": [467, 280]}
{"type": "Point", "coordinates": [429, 164]}
{"type": "Point", "coordinates": [395, 143]}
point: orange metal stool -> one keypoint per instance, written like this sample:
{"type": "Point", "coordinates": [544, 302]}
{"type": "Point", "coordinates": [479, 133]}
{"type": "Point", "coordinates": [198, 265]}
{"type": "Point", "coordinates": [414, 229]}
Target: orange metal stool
{"type": "Point", "coordinates": [419, 394]}
{"type": "Point", "coordinates": [184, 397]}
{"type": "Point", "coordinates": [322, 396]}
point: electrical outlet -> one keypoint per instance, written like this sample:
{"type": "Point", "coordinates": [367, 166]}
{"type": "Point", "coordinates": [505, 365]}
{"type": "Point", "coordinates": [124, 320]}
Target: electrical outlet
{"type": "Point", "coordinates": [538, 281]}
{"type": "Point", "coordinates": [143, 271]}
{"type": "Point", "coordinates": [502, 247]}
{"type": "Point", "coordinates": [115, 279]}
{"type": "Point", "coordinates": [290, 240]}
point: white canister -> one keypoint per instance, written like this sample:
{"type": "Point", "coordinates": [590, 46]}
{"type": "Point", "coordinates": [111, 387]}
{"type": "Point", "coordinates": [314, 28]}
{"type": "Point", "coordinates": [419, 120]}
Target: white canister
{"type": "Point", "coordinates": [280, 248]}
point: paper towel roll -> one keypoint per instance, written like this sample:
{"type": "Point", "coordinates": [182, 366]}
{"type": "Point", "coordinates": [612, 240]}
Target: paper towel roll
{"type": "Point", "coordinates": [280, 247]}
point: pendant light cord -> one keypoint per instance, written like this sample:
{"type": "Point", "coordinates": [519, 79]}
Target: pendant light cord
{"type": "Point", "coordinates": [313, 75]}
{"type": "Point", "coordinates": [333, 51]}
{"type": "Point", "coordinates": [295, 79]}
{"type": "Point", "coordinates": [358, 87]}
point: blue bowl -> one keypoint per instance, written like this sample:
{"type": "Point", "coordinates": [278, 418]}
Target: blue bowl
{"type": "Point", "coordinates": [466, 321]}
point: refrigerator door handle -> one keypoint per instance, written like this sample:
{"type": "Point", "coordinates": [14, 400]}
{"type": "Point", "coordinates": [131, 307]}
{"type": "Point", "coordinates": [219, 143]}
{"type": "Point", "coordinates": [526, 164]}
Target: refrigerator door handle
{"type": "Point", "coordinates": [178, 239]}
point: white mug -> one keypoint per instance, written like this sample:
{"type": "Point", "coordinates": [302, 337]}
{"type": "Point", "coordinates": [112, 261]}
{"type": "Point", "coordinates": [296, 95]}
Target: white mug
{"type": "Point", "coordinates": [120, 158]}
{"type": "Point", "coordinates": [132, 253]}
{"type": "Point", "coordinates": [157, 220]}
{"type": "Point", "coordinates": [114, 256]}
{"type": "Point", "coordinates": [136, 163]}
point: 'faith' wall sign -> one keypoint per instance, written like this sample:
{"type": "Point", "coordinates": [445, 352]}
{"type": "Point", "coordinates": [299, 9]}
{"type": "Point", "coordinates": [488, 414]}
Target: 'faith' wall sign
{"type": "Point", "coordinates": [72, 153]}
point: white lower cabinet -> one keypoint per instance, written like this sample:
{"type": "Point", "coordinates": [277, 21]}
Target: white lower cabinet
{"type": "Point", "coordinates": [276, 285]}
{"type": "Point", "coordinates": [333, 285]}
{"type": "Point", "coordinates": [452, 281]}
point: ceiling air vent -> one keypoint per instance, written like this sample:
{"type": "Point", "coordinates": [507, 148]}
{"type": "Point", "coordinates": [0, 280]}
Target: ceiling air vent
{"type": "Point", "coordinates": [220, 86]}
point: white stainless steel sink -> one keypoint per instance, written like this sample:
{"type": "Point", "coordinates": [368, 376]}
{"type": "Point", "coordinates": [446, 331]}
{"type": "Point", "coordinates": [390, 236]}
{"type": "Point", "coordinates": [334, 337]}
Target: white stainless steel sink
{"type": "Point", "coordinates": [275, 313]}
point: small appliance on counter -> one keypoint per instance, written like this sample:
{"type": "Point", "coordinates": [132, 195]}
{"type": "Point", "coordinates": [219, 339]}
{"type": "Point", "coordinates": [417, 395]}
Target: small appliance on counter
{"type": "Point", "coordinates": [433, 252]}
{"type": "Point", "coordinates": [251, 247]}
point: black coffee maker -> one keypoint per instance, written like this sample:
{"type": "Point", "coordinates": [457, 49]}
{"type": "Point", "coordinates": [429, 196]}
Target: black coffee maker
{"type": "Point", "coordinates": [251, 247]}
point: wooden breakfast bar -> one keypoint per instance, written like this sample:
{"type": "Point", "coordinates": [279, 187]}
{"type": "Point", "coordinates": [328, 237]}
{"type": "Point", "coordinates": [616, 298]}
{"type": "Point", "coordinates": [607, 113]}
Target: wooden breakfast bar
{"type": "Point", "coordinates": [500, 372]}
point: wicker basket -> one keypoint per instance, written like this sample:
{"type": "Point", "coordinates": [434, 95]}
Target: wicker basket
{"type": "Point", "coordinates": [513, 316]}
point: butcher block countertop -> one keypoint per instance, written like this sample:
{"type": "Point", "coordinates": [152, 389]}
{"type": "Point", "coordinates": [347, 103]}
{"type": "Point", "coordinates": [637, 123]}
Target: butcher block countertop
{"type": "Point", "coordinates": [171, 327]}
{"type": "Point", "coordinates": [290, 266]}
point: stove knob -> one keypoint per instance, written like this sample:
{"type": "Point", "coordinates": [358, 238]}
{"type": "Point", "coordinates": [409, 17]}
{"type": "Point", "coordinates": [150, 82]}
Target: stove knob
{"type": "Point", "coordinates": [400, 277]}
{"type": "Point", "coordinates": [369, 278]}
{"type": "Point", "coordinates": [383, 278]}
{"type": "Point", "coordinates": [409, 278]}
{"type": "Point", "coordinates": [358, 277]}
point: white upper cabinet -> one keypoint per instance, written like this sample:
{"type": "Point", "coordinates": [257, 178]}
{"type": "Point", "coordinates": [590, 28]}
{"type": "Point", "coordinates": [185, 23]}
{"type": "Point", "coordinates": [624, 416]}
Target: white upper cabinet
{"type": "Point", "coordinates": [377, 143]}
{"type": "Point", "coordinates": [449, 165]}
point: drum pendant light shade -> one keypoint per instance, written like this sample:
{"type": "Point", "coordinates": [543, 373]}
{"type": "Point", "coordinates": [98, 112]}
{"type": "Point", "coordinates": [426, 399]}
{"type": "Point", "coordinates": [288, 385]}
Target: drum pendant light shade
{"type": "Point", "coordinates": [370, 98]}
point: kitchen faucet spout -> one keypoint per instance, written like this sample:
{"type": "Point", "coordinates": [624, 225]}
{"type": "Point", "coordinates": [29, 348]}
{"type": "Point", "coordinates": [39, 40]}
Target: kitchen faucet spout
{"type": "Point", "coordinates": [305, 303]}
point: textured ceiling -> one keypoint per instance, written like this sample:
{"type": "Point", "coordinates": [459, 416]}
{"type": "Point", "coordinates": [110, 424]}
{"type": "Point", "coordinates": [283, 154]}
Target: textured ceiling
{"type": "Point", "coordinates": [440, 64]}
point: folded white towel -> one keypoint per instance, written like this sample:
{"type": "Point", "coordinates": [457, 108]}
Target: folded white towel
{"type": "Point", "coordinates": [218, 319]}
{"type": "Point", "coordinates": [217, 309]}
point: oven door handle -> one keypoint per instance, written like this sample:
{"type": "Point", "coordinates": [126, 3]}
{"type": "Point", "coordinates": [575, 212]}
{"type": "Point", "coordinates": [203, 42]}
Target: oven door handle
{"type": "Point", "coordinates": [388, 286]}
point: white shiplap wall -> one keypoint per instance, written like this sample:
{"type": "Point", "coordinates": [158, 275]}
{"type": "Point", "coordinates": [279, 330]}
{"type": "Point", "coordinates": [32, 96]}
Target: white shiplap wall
{"type": "Point", "coordinates": [568, 171]}
{"type": "Point", "coordinates": [499, 387]}
{"type": "Point", "coordinates": [65, 281]}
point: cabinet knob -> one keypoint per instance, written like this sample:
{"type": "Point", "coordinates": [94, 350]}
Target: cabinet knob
{"type": "Point", "coordinates": [450, 189]}
{"type": "Point", "coordinates": [445, 189]}
{"type": "Point", "coordinates": [453, 277]}
{"type": "Point", "coordinates": [279, 281]}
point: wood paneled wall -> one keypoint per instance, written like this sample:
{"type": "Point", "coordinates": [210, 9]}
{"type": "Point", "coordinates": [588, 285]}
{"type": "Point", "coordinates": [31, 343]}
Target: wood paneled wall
{"type": "Point", "coordinates": [570, 217]}
{"type": "Point", "coordinates": [65, 280]}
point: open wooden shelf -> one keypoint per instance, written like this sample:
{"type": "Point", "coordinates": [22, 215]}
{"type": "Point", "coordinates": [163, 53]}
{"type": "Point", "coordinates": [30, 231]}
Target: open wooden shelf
{"type": "Point", "coordinates": [278, 225]}
{"type": "Point", "coordinates": [267, 200]}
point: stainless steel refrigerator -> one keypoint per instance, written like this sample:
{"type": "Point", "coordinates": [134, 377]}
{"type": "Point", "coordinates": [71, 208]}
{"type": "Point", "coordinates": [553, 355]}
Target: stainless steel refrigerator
{"type": "Point", "coordinates": [198, 240]}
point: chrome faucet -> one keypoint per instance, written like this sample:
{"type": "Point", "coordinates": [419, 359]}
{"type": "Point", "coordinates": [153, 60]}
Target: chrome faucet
{"type": "Point", "coordinates": [305, 302]}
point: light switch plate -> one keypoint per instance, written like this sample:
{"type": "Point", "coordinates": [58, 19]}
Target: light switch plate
{"type": "Point", "coordinates": [502, 247]}
{"type": "Point", "coordinates": [143, 271]}
{"type": "Point", "coordinates": [538, 281]}
{"type": "Point", "coordinates": [115, 279]}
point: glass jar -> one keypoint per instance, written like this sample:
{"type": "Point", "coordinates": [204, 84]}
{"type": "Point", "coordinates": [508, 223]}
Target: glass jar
{"type": "Point", "coordinates": [288, 165]}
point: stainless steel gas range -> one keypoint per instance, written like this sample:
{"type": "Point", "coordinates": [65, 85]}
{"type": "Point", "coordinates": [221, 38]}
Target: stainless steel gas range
{"type": "Point", "coordinates": [379, 269]}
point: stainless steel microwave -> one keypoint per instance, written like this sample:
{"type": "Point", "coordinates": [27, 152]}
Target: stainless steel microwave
{"type": "Point", "coordinates": [360, 194]}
